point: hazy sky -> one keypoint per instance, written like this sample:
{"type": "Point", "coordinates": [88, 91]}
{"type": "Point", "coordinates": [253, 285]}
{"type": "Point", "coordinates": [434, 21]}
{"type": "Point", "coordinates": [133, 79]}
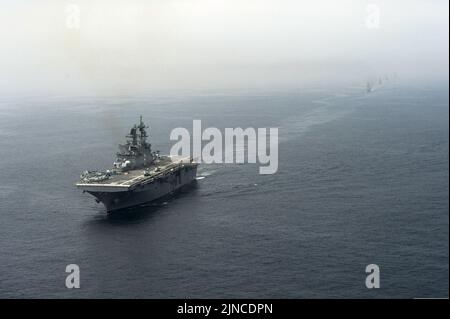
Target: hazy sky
{"type": "Point", "coordinates": [129, 46]}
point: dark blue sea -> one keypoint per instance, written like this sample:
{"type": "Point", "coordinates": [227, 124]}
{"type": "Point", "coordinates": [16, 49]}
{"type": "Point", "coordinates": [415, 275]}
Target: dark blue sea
{"type": "Point", "coordinates": [362, 179]}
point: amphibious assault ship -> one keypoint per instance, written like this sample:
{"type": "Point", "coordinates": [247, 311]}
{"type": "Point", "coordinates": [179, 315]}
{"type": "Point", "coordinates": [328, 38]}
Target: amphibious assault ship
{"type": "Point", "coordinates": [138, 175]}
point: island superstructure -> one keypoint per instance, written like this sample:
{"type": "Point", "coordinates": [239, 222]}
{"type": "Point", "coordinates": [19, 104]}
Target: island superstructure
{"type": "Point", "coordinates": [138, 175]}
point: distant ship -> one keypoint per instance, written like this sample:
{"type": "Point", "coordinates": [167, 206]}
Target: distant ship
{"type": "Point", "coordinates": [138, 175]}
{"type": "Point", "coordinates": [369, 87]}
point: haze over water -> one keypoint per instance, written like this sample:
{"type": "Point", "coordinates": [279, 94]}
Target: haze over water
{"type": "Point", "coordinates": [362, 178]}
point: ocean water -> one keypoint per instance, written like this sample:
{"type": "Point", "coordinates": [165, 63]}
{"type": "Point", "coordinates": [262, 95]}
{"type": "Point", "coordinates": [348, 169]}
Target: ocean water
{"type": "Point", "coordinates": [362, 179]}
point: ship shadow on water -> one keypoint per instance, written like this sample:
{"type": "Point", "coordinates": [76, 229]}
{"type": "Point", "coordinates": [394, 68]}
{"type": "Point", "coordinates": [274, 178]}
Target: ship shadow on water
{"type": "Point", "coordinates": [148, 210]}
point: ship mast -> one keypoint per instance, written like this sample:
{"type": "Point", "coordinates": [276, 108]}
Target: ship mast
{"type": "Point", "coordinates": [143, 133]}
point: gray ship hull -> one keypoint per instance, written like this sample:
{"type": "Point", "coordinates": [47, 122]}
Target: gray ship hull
{"type": "Point", "coordinates": [147, 192]}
